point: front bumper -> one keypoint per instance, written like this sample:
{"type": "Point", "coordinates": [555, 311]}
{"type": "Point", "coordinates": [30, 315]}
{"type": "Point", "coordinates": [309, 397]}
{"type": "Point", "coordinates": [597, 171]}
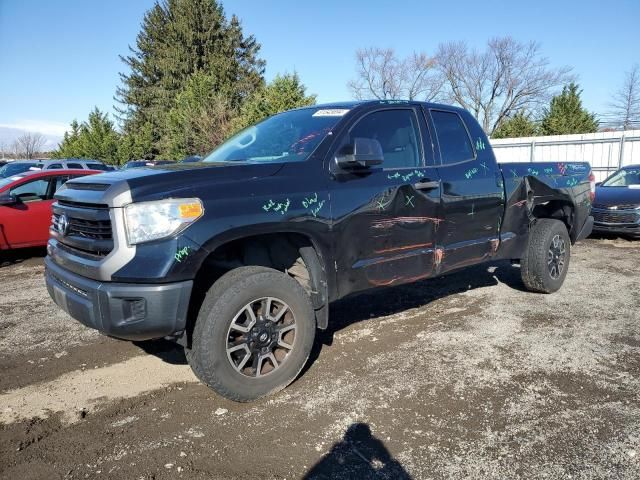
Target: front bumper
{"type": "Point", "coordinates": [128, 311]}
{"type": "Point", "coordinates": [622, 222]}
{"type": "Point", "coordinates": [631, 230]}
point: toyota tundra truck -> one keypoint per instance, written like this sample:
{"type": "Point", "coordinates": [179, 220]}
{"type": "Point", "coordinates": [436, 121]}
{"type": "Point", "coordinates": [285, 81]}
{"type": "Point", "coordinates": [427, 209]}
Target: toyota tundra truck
{"type": "Point", "coordinates": [238, 257]}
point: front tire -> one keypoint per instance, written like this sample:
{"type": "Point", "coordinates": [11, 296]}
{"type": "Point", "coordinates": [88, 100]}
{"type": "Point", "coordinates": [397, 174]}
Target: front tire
{"type": "Point", "coordinates": [545, 262]}
{"type": "Point", "coordinates": [253, 334]}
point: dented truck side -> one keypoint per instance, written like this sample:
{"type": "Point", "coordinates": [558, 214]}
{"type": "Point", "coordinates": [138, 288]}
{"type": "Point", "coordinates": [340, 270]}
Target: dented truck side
{"type": "Point", "coordinates": [363, 195]}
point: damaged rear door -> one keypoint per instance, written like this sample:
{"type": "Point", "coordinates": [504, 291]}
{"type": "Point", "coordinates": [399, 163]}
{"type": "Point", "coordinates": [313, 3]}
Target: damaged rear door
{"type": "Point", "coordinates": [472, 190]}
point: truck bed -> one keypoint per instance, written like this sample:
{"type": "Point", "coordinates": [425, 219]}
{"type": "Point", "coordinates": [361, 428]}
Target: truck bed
{"type": "Point", "coordinates": [548, 185]}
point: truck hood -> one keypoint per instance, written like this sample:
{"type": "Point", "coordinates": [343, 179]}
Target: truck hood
{"type": "Point", "coordinates": [616, 196]}
{"type": "Point", "coordinates": [154, 183]}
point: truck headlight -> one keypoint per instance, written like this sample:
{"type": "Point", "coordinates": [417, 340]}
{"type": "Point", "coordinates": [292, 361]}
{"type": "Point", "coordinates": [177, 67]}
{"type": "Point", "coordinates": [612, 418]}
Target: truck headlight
{"type": "Point", "coordinates": [147, 221]}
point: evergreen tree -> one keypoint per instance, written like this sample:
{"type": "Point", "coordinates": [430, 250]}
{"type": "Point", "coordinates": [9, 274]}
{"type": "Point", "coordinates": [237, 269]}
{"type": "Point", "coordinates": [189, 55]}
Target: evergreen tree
{"type": "Point", "coordinates": [283, 93]}
{"type": "Point", "coordinates": [200, 119]}
{"type": "Point", "coordinates": [566, 115]}
{"type": "Point", "coordinates": [68, 148]}
{"type": "Point", "coordinates": [520, 125]}
{"type": "Point", "coordinates": [138, 145]}
{"type": "Point", "coordinates": [95, 139]}
{"type": "Point", "coordinates": [178, 39]}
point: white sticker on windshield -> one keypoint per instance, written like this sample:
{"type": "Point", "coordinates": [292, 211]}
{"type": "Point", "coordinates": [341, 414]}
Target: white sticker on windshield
{"type": "Point", "coordinates": [331, 112]}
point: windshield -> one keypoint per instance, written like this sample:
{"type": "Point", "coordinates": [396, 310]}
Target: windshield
{"type": "Point", "coordinates": [6, 181]}
{"type": "Point", "coordinates": [287, 137]}
{"type": "Point", "coordinates": [624, 178]}
{"type": "Point", "coordinates": [15, 168]}
{"type": "Point", "coordinates": [134, 164]}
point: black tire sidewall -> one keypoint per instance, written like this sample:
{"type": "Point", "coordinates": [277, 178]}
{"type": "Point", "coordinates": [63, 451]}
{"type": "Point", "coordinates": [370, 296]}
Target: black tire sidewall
{"type": "Point", "coordinates": [551, 284]}
{"type": "Point", "coordinates": [210, 338]}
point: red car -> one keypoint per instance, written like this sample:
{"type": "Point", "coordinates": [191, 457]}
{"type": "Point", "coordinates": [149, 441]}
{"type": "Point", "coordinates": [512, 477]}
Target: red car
{"type": "Point", "coordinates": [25, 205]}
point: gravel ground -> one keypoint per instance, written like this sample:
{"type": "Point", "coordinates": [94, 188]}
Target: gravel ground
{"type": "Point", "coordinates": [466, 376]}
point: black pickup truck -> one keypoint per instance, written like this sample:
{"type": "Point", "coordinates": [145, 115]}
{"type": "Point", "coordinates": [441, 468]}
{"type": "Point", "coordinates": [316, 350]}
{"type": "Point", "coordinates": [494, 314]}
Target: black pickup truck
{"type": "Point", "coordinates": [237, 257]}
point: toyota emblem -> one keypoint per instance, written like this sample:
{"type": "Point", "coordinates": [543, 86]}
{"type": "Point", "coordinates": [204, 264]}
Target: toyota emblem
{"type": "Point", "coordinates": [62, 225]}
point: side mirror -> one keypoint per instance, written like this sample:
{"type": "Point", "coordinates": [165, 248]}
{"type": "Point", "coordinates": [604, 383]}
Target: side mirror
{"type": "Point", "coordinates": [365, 152]}
{"type": "Point", "coordinates": [7, 199]}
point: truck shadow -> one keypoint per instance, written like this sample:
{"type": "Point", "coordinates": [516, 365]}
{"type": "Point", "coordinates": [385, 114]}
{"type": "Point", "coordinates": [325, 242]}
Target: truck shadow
{"type": "Point", "coordinates": [32, 255]}
{"type": "Point", "coordinates": [392, 300]}
{"type": "Point", "coordinates": [378, 303]}
{"type": "Point", "coordinates": [358, 455]}
{"type": "Point", "coordinates": [166, 350]}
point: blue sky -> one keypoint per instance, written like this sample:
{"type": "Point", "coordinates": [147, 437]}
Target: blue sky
{"type": "Point", "coordinates": [60, 58]}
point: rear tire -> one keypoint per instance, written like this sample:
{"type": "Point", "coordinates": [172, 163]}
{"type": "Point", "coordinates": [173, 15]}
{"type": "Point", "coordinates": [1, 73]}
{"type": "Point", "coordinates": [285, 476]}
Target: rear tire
{"type": "Point", "coordinates": [253, 334]}
{"type": "Point", "coordinates": [546, 258]}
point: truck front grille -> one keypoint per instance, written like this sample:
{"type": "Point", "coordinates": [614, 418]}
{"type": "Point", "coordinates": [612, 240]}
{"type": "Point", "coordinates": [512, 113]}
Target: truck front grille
{"type": "Point", "coordinates": [97, 229]}
{"type": "Point", "coordinates": [83, 228]}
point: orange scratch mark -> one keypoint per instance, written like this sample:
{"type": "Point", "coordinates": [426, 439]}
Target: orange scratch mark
{"type": "Point", "coordinates": [406, 247]}
{"type": "Point", "coordinates": [439, 255]}
{"type": "Point", "coordinates": [395, 221]}
{"type": "Point", "coordinates": [384, 283]}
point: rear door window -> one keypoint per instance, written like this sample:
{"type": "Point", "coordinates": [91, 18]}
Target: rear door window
{"type": "Point", "coordinates": [453, 138]}
{"type": "Point", "coordinates": [75, 165]}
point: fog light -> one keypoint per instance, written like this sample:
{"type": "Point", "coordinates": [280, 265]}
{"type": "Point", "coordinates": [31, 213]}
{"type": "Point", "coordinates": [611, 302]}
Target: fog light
{"type": "Point", "coordinates": [134, 309]}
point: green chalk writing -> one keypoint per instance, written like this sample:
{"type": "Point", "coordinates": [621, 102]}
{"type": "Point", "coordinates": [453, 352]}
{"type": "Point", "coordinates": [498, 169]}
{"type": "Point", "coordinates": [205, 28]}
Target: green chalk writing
{"type": "Point", "coordinates": [181, 254]}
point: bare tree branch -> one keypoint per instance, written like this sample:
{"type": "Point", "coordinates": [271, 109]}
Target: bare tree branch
{"type": "Point", "coordinates": [28, 144]}
{"type": "Point", "coordinates": [625, 108]}
{"type": "Point", "coordinates": [380, 74]}
{"type": "Point", "coordinates": [495, 84]}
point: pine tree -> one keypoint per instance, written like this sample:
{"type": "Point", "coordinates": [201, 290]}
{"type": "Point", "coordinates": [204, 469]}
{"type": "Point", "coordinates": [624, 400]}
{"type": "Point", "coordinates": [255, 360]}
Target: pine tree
{"type": "Point", "coordinates": [68, 148]}
{"type": "Point", "coordinates": [138, 145]}
{"type": "Point", "coordinates": [520, 125]}
{"type": "Point", "coordinates": [178, 39]}
{"type": "Point", "coordinates": [200, 119]}
{"type": "Point", "coordinates": [566, 114]}
{"type": "Point", "coordinates": [283, 93]}
{"type": "Point", "coordinates": [95, 139]}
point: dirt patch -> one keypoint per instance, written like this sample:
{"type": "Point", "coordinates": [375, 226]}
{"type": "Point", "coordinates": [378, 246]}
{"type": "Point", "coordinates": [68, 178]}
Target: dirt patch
{"type": "Point", "coordinates": [465, 376]}
{"type": "Point", "coordinates": [75, 394]}
{"type": "Point", "coordinates": [39, 366]}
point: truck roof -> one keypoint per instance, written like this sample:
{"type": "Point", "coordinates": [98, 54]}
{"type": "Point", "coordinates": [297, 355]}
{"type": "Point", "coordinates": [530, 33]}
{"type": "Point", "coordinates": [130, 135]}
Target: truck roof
{"type": "Point", "coordinates": [350, 104]}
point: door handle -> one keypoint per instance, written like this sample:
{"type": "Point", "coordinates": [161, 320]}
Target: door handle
{"type": "Point", "coordinates": [427, 185]}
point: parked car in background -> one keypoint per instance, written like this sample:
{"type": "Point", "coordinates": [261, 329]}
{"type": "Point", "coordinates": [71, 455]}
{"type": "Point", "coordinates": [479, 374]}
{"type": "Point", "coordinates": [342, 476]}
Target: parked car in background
{"type": "Point", "coordinates": [73, 163]}
{"type": "Point", "coordinates": [616, 208]}
{"type": "Point", "coordinates": [16, 167]}
{"type": "Point", "coordinates": [20, 166]}
{"type": "Point", "coordinates": [25, 205]}
{"type": "Point", "coordinates": [146, 163]}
